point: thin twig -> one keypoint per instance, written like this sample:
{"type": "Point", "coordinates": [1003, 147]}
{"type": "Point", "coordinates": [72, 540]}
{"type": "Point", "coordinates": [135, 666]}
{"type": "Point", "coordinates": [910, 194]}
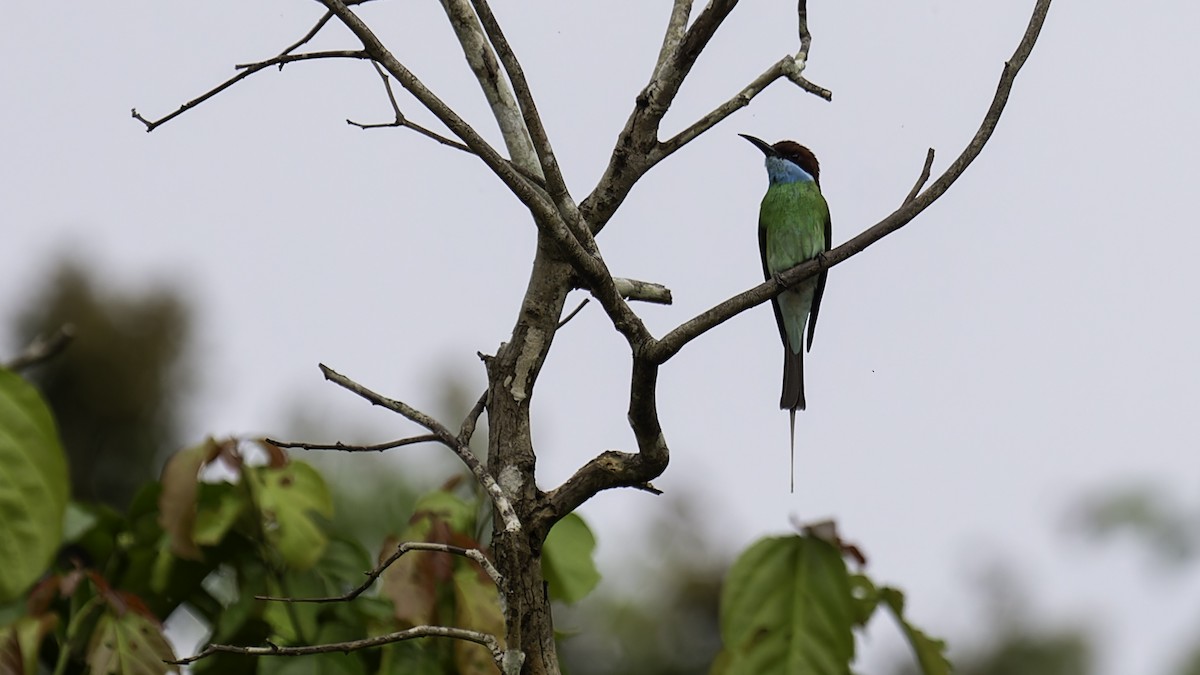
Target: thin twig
{"type": "Point", "coordinates": [312, 33]}
{"type": "Point", "coordinates": [802, 27]}
{"type": "Point", "coordinates": [472, 553]}
{"type": "Point", "coordinates": [467, 429]}
{"type": "Point", "coordinates": [573, 313]}
{"type": "Point", "coordinates": [43, 348]}
{"type": "Point", "coordinates": [401, 120]}
{"type": "Point", "coordinates": [484, 639]}
{"type": "Point", "coordinates": [922, 179]}
{"type": "Point", "coordinates": [426, 438]}
{"type": "Point", "coordinates": [247, 70]}
{"type": "Point", "coordinates": [502, 503]}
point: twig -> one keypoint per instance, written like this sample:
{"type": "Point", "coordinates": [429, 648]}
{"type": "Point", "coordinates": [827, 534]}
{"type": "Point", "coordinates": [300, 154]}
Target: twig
{"type": "Point", "coordinates": [503, 505]}
{"type": "Point", "coordinates": [802, 28]}
{"type": "Point", "coordinates": [401, 120]}
{"type": "Point", "coordinates": [247, 70]}
{"type": "Point", "coordinates": [473, 554]}
{"type": "Point", "coordinates": [467, 429]}
{"type": "Point", "coordinates": [573, 313]}
{"type": "Point", "coordinates": [43, 348]}
{"type": "Point", "coordinates": [426, 438]}
{"type": "Point", "coordinates": [312, 33]}
{"type": "Point", "coordinates": [484, 639]}
{"type": "Point", "coordinates": [922, 179]}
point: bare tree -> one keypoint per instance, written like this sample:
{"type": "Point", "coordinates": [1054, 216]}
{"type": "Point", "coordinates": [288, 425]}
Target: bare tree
{"type": "Point", "coordinates": [568, 257]}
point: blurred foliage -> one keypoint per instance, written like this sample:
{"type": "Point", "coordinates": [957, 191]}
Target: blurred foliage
{"type": "Point", "coordinates": [664, 621]}
{"type": "Point", "coordinates": [116, 391]}
{"type": "Point", "coordinates": [1165, 528]}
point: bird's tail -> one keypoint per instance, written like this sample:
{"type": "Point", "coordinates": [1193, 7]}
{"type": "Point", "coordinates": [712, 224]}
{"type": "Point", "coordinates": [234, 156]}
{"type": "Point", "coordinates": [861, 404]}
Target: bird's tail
{"type": "Point", "coordinates": [792, 475]}
{"type": "Point", "coordinates": [793, 380]}
{"type": "Point", "coordinates": [792, 398]}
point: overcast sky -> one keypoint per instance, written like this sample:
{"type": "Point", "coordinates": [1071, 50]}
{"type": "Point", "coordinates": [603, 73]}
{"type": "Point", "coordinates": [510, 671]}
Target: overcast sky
{"type": "Point", "coordinates": [1029, 340]}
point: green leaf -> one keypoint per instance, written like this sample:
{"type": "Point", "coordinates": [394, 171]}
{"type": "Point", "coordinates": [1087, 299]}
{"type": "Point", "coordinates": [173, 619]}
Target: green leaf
{"type": "Point", "coordinates": [289, 497]}
{"type": "Point", "coordinates": [129, 644]}
{"type": "Point", "coordinates": [930, 652]}
{"type": "Point", "coordinates": [568, 561]}
{"type": "Point", "coordinates": [787, 608]}
{"type": "Point", "coordinates": [477, 607]}
{"type": "Point", "coordinates": [449, 507]}
{"type": "Point", "coordinates": [20, 643]}
{"type": "Point", "coordinates": [33, 486]}
{"type": "Point", "coordinates": [218, 507]}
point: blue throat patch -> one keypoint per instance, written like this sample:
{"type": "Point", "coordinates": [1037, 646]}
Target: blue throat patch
{"type": "Point", "coordinates": [780, 170]}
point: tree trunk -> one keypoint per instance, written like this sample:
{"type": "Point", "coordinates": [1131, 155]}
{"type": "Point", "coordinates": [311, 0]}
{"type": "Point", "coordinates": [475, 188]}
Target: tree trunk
{"type": "Point", "coordinates": [512, 374]}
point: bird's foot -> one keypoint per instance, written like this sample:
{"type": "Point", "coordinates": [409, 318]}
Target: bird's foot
{"type": "Point", "coordinates": [823, 259]}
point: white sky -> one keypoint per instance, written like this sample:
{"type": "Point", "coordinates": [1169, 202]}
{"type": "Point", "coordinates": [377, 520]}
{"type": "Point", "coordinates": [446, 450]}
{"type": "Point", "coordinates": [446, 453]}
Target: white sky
{"type": "Point", "coordinates": [1030, 339]}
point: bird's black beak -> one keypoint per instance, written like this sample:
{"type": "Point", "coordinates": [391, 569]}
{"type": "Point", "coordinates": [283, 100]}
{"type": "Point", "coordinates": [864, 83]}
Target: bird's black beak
{"type": "Point", "coordinates": [760, 144]}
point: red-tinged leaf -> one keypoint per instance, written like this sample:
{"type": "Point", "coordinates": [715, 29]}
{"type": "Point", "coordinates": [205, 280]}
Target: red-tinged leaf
{"type": "Point", "coordinates": [276, 457]}
{"type": "Point", "coordinates": [21, 641]}
{"type": "Point", "coordinates": [409, 585]}
{"type": "Point", "coordinates": [130, 644]}
{"type": "Point", "coordinates": [177, 501]}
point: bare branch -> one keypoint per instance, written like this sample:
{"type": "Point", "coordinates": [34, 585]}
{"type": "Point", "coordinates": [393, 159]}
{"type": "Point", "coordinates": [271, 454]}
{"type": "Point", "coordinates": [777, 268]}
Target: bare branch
{"type": "Point", "coordinates": [247, 70]}
{"type": "Point", "coordinates": [484, 639]}
{"type": "Point", "coordinates": [405, 547]}
{"type": "Point", "coordinates": [644, 291]}
{"type": "Point", "coordinates": [482, 60]}
{"type": "Point", "coordinates": [43, 348]}
{"type": "Point", "coordinates": [672, 342]}
{"type": "Point", "coordinates": [380, 447]}
{"type": "Point", "coordinates": [737, 102]}
{"type": "Point", "coordinates": [556, 185]}
{"type": "Point", "coordinates": [401, 120]}
{"type": "Point", "coordinates": [460, 448]}
{"type": "Point", "coordinates": [525, 190]}
{"type": "Point", "coordinates": [638, 149]}
{"type": "Point", "coordinates": [573, 313]}
{"type": "Point", "coordinates": [922, 179]}
{"type": "Point", "coordinates": [467, 429]}
{"type": "Point", "coordinates": [681, 11]}
{"type": "Point", "coordinates": [312, 33]}
{"type": "Point", "coordinates": [802, 28]}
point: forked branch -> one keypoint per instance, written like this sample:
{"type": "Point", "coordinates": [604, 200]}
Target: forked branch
{"type": "Point", "coordinates": [444, 435]}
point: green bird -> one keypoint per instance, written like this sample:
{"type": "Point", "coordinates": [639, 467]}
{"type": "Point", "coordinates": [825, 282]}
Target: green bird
{"type": "Point", "coordinates": [793, 226]}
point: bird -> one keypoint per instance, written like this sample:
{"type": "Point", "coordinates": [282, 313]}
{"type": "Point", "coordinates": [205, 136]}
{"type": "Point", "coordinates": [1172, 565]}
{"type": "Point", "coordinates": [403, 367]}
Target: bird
{"type": "Point", "coordinates": [793, 227]}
